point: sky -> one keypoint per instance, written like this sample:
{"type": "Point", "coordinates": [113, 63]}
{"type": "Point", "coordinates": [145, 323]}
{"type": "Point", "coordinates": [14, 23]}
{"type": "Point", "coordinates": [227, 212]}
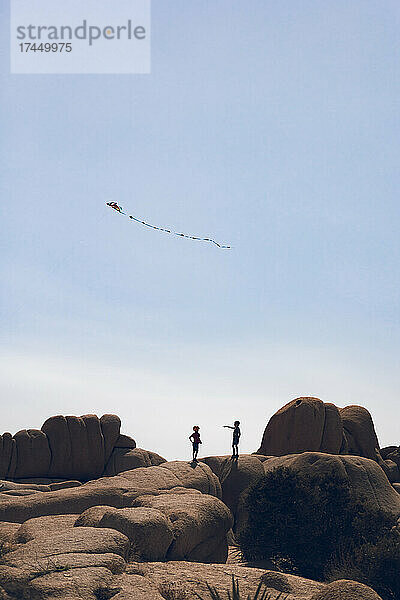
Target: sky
{"type": "Point", "coordinates": [270, 126]}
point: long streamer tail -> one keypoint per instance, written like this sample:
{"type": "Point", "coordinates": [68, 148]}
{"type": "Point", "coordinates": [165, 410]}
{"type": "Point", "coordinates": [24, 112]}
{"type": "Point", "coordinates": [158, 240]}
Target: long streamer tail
{"type": "Point", "coordinates": [165, 230]}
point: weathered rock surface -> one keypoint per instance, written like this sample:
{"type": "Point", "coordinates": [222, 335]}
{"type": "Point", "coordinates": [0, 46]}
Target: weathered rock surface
{"type": "Point", "coordinates": [359, 432]}
{"type": "Point", "coordinates": [33, 455]}
{"type": "Point", "coordinates": [119, 491]}
{"type": "Point", "coordinates": [43, 527]}
{"type": "Point", "coordinates": [7, 532]}
{"type": "Point", "coordinates": [192, 578]}
{"type": "Point", "coordinates": [86, 579]}
{"type": "Point", "coordinates": [366, 478]}
{"type": "Point", "coordinates": [391, 457]}
{"type": "Point", "coordinates": [148, 530]}
{"type": "Point", "coordinates": [199, 524]}
{"type": "Point", "coordinates": [80, 447]}
{"type": "Point", "coordinates": [346, 590]}
{"type": "Point", "coordinates": [390, 452]}
{"type": "Point", "coordinates": [69, 541]}
{"type": "Point", "coordinates": [178, 526]}
{"type": "Point", "coordinates": [310, 425]}
{"type": "Point", "coordinates": [235, 476]}
{"type": "Point", "coordinates": [69, 447]}
{"type": "Point", "coordinates": [304, 424]}
{"type": "Point", "coordinates": [125, 458]}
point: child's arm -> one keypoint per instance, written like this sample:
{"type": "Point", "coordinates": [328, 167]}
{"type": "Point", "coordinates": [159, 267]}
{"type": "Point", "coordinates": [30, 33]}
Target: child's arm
{"type": "Point", "coordinates": [228, 426]}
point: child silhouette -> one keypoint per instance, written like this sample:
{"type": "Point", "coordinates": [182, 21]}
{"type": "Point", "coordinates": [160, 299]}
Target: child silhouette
{"type": "Point", "coordinates": [235, 439]}
{"type": "Point", "coordinates": [195, 439]}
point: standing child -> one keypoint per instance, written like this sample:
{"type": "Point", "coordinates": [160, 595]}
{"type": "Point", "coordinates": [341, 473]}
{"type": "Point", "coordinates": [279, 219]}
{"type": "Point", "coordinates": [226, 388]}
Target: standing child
{"type": "Point", "coordinates": [195, 439]}
{"type": "Point", "coordinates": [235, 439]}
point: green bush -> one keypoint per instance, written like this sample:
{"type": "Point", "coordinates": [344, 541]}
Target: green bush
{"type": "Point", "coordinates": [307, 521]}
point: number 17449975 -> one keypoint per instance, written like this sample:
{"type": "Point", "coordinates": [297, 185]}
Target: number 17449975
{"type": "Point", "coordinates": [47, 47]}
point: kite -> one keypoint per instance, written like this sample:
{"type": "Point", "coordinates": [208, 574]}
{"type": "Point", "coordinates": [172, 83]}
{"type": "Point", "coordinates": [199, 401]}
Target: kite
{"type": "Point", "coordinates": [115, 206]}
{"type": "Point", "coordinates": [118, 208]}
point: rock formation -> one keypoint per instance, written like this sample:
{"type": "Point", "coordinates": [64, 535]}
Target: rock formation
{"type": "Point", "coordinates": [305, 424]}
{"type": "Point", "coordinates": [310, 425]}
{"type": "Point", "coordinates": [359, 432]}
{"type": "Point", "coordinates": [79, 448]}
{"type": "Point", "coordinates": [84, 514]}
{"type": "Point", "coordinates": [365, 477]}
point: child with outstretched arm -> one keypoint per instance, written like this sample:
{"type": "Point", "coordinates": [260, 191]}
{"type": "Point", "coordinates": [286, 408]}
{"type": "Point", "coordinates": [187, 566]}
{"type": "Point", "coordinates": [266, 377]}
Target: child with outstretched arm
{"type": "Point", "coordinates": [235, 439]}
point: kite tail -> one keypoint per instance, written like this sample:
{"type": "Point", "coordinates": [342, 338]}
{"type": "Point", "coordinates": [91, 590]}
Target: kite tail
{"type": "Point", "coordinates": [115, 206]}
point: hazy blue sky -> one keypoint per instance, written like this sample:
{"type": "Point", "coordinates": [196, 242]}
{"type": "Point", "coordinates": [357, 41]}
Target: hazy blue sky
{"type": "Point", "coordinates": [273, 126]}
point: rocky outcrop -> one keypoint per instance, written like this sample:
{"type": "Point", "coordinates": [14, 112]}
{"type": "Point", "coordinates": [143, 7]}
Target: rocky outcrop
{"type": "Point", "coordinates": [89, 550]}
{"type": "Point", "coordinates": [118, 491]}
{"type": "Point", "coordinates": [80, 448]}
{"type": "Point", "coordinates": [305, 424]}
{"type": "Point", "coordinates": [310, 425]}
{"type": "Point", "coordinates": [365, 477]}
{"type": "Point", "coordinates": [199, 525]}
{"type": "Point", "coordinates": [124, 459]}
{"type": "Point", "coordinates": [235, 476]}
{"type": "Point", "coordinates": [187, 580]}
{"type": "Point", "coordinates": [185, 525]}
{"type": "Point", "coordinates": [149, 531]}
{"type": "Point", "coordinates": [181, 524]}
{"type": "Point", "coordinates": [391, 458]}
{"type": "Point", "coordinates": [103, 573]}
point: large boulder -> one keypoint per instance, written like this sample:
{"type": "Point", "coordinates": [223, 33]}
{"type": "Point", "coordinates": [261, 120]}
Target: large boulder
{"type": "Point", "coordinates": [390, 452]}
{"type": "Point", "coordinates": [33, 454]}
{"type": "Point", "coordinates": [61, 578]}
{"type": "Point", "coordinates": [235, 476]}
{"type": "Point", "coordinates": [344, 589]}
{"type": "Point", "coordinates": [199, 525]}
{"type": "Point", "coordinates": [78, 445]}
{"type": "Point", "coordinates": [148, 530]}
{"type": "Point", "coordinates": [8, 455]}
{"type": "Point", "coordinates": [125, 458]}
{"type": "Point", "coordinates": [304, 424]}
{"type": "Point", "coordinates": [391, 458]}
{"type": "Point", "coordinates": [359, 432]}
{"type": "Point", "coordinates": [78, 448]}
{"type": "Point", "coordinates": [43, 527]}
{"type": "Point", "coordinates": [365, 477]}
{"type": "Point", "coordinates": [49, 558]}
{"type": "Point", "coordinates": [72, 540]}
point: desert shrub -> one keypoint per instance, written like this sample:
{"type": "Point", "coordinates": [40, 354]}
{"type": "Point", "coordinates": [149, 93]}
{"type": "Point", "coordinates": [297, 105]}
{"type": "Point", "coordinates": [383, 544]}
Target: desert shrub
{"type": "Point", "coordinates": [174, 591]}
{"type": "Point", "coordinates": [376, 564]}
{"type": "Point", "coordinates": [261, 593]}
{"type": "Point", "coordinates": [304, 521]}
